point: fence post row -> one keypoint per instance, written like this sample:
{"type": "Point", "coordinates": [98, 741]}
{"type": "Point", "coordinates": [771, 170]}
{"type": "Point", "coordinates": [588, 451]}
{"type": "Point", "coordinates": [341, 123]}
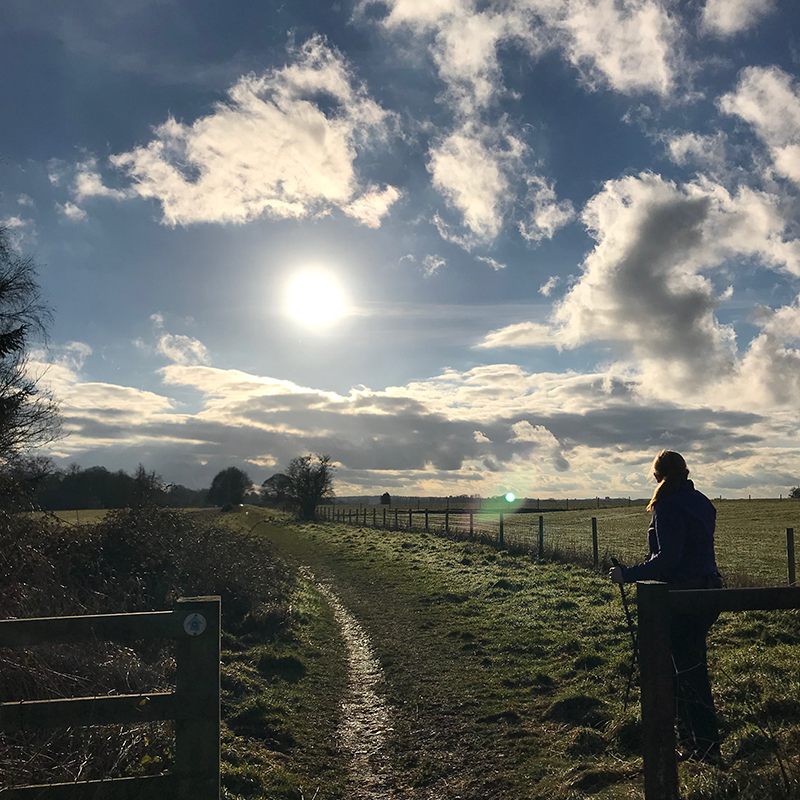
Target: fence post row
{"type": "Point", "coordinates": [657, 602]}
{"type": "Point", "coordinates": [595, 551]}
{"type": "Point", "coordinates": [194, 624]}
{"type": "Point", "coordinates": [790, 555]}
{"type": "Point", "coordinates": [541, 536]}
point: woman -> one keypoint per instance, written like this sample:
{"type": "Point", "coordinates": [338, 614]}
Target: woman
{"type": "Point", "coordinates": [681, 542]}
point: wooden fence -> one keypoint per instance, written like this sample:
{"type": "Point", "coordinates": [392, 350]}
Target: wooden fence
{"type": "Point", "coordinates": [529, 537]}
{"type": "Point", "coordinates": [656, 603]}
{"type": "Point", "coordinates": [194, 624]}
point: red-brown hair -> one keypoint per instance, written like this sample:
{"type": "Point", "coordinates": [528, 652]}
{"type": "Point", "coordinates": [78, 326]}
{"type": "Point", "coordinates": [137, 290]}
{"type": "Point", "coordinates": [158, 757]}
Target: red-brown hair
{"type": "Point", "coordinates": [670, 471]}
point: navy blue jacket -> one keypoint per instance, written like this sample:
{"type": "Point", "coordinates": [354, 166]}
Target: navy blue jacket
{"type": "Point", "coordinates": [681, 540]}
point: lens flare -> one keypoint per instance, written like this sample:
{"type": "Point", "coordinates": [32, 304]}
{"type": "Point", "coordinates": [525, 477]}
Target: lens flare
{"type": "Point", "coordinates": [510, 497]}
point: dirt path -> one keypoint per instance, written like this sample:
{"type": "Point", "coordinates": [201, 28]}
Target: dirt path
{"type": "Point", "coordinates": [366, 719]}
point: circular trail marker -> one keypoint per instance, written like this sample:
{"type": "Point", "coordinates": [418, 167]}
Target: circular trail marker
{"type": "Point", "coordinates": [194, 624]}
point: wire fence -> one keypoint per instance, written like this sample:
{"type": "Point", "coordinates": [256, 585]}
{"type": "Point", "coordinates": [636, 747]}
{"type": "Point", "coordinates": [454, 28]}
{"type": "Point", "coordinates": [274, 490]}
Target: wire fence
{"type": "Point", "coordinates": [754, 549]}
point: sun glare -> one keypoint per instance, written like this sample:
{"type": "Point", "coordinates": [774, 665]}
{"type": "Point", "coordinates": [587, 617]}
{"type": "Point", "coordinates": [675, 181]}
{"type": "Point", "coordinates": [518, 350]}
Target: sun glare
{"type": "Point", "coordinates": [315, 298]}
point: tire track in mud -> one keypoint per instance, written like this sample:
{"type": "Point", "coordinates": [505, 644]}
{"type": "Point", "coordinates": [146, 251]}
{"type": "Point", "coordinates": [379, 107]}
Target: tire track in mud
{"type": "Point", "coordinates": [366, 720]}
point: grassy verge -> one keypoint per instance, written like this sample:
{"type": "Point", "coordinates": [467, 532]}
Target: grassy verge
{"type": "Point", "coordinates": [507, 676]}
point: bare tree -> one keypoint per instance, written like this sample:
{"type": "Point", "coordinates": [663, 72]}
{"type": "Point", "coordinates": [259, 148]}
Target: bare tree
{"type": "Point", "coordinates": [28, 414]}
{"type": "Point", "coordinates": [310, 479]}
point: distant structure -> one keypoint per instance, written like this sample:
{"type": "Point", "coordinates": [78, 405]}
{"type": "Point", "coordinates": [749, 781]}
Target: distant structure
{"type": "Point", "coordinates": [386, 499]}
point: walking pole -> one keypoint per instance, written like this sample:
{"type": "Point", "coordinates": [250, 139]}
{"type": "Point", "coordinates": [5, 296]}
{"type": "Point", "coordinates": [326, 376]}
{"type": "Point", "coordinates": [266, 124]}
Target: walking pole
{"type": "Point", "coordinates": [634, 642]}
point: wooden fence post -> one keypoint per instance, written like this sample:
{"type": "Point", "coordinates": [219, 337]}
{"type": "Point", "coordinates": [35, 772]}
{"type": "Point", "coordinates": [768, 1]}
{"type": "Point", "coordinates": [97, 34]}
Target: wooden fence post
{"type": "Point", "coordinates": [541, 536]}
{"type": "Point", "coordinates": [384, 519]}
{"type": "Point", "coordinates": [374, 512]}
{"type": "Point", "coordinates": [658, 709]}
{"type": "Point", "coordinates": [197, 688]}
{"type": "Point", "coordinates": [790, 554]}
{"type": "Point", "coordinates": [396, 526]}
{"type": "Point", "coordinates": [595, 556]}
{"type": "Point", "coordinates": [447, 518]}
{"type": "Point", "coordinates": [426, 520]}
{"type": "Point", "coordinates": [471, 524]}
{"type": "Point", "coordinates": [409, 519]}
{"type": "Point", "coordinates": [501, 528]}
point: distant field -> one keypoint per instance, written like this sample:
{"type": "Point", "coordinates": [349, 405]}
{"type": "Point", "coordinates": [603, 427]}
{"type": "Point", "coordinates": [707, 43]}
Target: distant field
{"type": "Point", "coordinates": [750, 538]}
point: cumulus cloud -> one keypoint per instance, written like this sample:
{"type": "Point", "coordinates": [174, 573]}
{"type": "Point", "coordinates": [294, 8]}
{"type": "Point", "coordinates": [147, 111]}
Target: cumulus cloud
{"type": "Point", "coordinates": [547, 214]}
{"type": "Point", "coordinates": [705, 152]}
{"type": "Point", "coordinates": [21, 231]}
{"type": "Point", "coordinates": [87, 182]}
{"type": "Point", "coordinates": [470, 167]}
{"type": "Point", "coordinates": [284, 145]}
{"type": "Point", "coordinates": [644, 289]}
{"type": "Point", "coordinates": [769, 99]}
{"type": "Point", "coordinates": [71, 212]}
{"type": "Point", "coordinates": [631, 46]}
{"type": "Point", "coordinates": [727, 17]}
{"type": "Point", "coordinates": [372, 206]}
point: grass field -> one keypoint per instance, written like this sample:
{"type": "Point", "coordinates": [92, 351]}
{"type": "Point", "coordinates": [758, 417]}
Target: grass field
{"type": "Point", "coordinates": [750, 536]}
{"type": "Point", "coordinates": [506, 675]}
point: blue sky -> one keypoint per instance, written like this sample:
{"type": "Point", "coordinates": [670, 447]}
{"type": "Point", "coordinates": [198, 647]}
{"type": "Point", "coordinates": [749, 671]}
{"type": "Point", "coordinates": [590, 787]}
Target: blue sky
{"type": "Point", "coordinates": [460, 247]}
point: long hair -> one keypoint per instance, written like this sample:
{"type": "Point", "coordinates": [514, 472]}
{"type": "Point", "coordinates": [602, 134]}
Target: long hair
{"type": "Point", "coordinates": [670, 470]}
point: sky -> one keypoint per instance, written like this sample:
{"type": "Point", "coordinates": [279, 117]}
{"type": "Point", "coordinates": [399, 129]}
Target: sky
{"type": "Point", "coordinates": [460, 247]}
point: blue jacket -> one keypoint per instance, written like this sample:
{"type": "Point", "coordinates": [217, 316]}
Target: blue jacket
{"type": "Point", "coordinates": [681, 540]}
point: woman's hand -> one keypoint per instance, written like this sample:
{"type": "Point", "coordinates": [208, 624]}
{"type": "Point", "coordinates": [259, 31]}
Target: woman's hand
{"type": "Point", "coordinates": [615, 574]}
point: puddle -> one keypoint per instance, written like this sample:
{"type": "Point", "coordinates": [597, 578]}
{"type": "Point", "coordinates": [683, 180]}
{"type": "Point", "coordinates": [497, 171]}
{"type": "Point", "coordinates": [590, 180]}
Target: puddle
{"type": "Point", "coordinates": [365, 716]}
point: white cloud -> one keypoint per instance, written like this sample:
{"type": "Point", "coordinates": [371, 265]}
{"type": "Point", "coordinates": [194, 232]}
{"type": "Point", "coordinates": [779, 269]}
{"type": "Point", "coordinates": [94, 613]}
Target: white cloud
{"type": "Point", "coordinates": [72, 212]}
{"type": "Point", "coordinates": [26, 201]}
{"type": "Point", "coordinates": [632, 46]}
{"type": "Point", "coordinates": [495, 265]}
{"type": "Point", "coordinates": [21, 231]}
{"type": "Point", "coordinates": [180, 349]}
{"type": "Point", "coordinates": [481, 437]}
{"type": "Point", "coordinates": [470, 167]}
{"type": "Point", "coordinates": [522, 334]}
{"type": "Point", "coordinates": [284, 145]}
{"type": "Point", "coordinates": [547, 214]}
{"type": "Point", "coordinates": [87, 182]}
{"type": "Point", "coordinates": [727, 17]}
{"type": "Point", "coordinates": [431, 264]}
{"type": "Point", "coordinates": [547, 288]}
{"type": "Point", "coordinates": [643, 287]}
{"type": "Point", "coordinates": [769, 99]}
{"type": "Point", "coordinates": [373, 205]}
{"type": "Point", "coordinates": [707, 152]}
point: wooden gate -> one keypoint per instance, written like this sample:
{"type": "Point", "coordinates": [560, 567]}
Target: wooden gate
{"type": "Point", "coordinates": [194, 624]}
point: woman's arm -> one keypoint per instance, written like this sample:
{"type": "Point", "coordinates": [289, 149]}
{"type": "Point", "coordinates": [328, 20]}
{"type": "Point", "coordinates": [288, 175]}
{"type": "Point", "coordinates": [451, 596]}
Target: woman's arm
{"type": "Point", "coordinates": [669, 527]}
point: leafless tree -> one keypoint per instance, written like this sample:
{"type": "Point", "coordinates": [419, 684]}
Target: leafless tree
{"type": "Point", "coordinates": [28, 414]}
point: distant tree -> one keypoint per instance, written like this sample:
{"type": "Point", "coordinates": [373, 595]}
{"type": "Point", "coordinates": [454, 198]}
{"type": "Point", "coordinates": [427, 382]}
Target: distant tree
{"type": "Point", "coordinates": [795, 493]}
{"type": "Point", "coordinates": [276, 490]}
{"type": "Point", "coordinates": [147, 489]}
{"type": "Point", "coordinates": [229, 486]}
{"type": "Point", "coordinates": [386, 499]}
{"type": "Point", "coordinates": [28, 414]}
{"type": "Point", "coordinates": [310, 479]}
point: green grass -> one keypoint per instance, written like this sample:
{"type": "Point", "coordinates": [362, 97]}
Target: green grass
{"type": "Point", "coordinates": [750, 535]}
{"type": "Point", "coordinates": [507, 676]}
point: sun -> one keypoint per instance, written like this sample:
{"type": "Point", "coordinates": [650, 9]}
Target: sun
{"type": "Point", "coordinates": [315, 298]}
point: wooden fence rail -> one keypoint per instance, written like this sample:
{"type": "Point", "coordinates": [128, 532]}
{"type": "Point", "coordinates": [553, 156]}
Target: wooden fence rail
{"type": "Point", "coordinates": [331, 513]}
{"type": "Point", "coordinates": [194, 624]}
{"type": "Point", "coordinates": [656, 603]}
